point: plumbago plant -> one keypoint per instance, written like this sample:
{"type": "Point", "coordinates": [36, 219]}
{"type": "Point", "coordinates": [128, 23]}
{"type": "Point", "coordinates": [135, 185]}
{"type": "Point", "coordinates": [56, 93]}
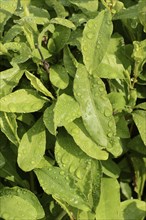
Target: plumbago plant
{"type": "Point", "coordinates": [73, 109]}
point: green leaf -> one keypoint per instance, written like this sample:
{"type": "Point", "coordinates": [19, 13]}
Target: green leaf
{"type": "Point", "coordinates": [32, 147]}
{"type": "Point", "coordinates": [59, 76]}
{"type": "Point", "coordinates": [59, 39]}
{"type": "Point", "coordinates": [142, 13]}
{"type": "Point", "coordinates": [9, 79]}
{"type": "Point", "coordinates": [11, 207]}
{"type": "Point", "coordinates": [117, 100]}
{"type": "Point", "coordinates": [141, 106]}
{"type": "Point", "coordinates": [7, 9]}
{"type": "Point", "coordinates": [77, 130]}
{"type": "Point", "coordinates": [133, 209]}
{"type": "Point", "coordinates": [21, 101]}
{"type": "Point", "coordinates": [64, 22]}
{"type": "Point", "coordinates": [131, 12]}
{"type": "Point", "coordinates": [27, 197]}
{"type": "Point", "coordinates": [37, 84]}
{"type": "Point", "coordinates": [69, 61]}
{"type": "Point", "coordinates": [58, 183]}
{"type": "Point", "coordinates": [81, 167]}
{"type": "Point", "coordinates": [86, 5]}
{"type": "Point", "coordinates": [9, 170]}
{"type": "Point", "coordinates": [110, 168]}
{"type": "Point", "coordinates": [122, 126]}
{"type": "Point", "coordinates": [12, 32]}
{"type": "Point", "coordinates": [48, 119]}
{"type": "Point", "coordinates": [66, 110]}
{"type": "Point", "coordinates": [139, 55]}
{"type": "Point", "coordinates": [140, 174]}
{"type": "Point", "coordinates": [97, 33]}
{"type": "Point", "coordinates": [96, 110]}
{"type": "Point", "coordinates": [2, 160]}
{"type": "Point", "coordinates": [111, 67]}
{"type": "Point", "coordinates": [8, 126]}
{"type": "Point", "coordinates": [58, 7]}
{"type": "Point", "coordinates": [136, 144]}
{"type": "Point", "coordinates": [106, 208]}
{"type": "Point", "coordinates": [95, 106]}
{"type": "Point", "coordinates": [139, 117]}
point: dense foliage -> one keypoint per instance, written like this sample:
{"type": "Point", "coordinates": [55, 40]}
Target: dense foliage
{"type": "Point", "coordinates": [73, 109]}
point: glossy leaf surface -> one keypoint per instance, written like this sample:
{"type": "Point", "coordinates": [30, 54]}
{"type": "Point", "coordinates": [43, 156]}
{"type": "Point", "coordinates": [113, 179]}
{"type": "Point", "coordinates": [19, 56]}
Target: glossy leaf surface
{"type": "Point", "coordinates": [32, 146]}
{"type": "Point", "coordinates": [23, 100]}
{"type": "Point", "coordinates": [97, 33]}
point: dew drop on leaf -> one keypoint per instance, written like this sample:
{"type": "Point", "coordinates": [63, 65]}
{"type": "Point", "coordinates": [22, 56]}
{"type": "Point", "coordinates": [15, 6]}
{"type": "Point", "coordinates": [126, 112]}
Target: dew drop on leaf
{"type": "Point", "coordinates": [62, 173]}
{"type": "Point", "coordinates": [90, 35]}
{"type": "Point", "coordinates": [107, 112]}
{"type": "Point", "coordinates": [110, 134]}
{"type": "Point", "coordinates": [79, 173]}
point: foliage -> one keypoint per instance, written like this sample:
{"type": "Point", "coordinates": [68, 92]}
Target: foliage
{"type": "Point", "coordinates": [73, 109]}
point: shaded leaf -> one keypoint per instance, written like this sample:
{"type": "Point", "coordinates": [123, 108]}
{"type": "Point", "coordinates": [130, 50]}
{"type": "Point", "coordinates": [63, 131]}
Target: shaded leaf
{"type": "Point", "coordinates": [133, 209]}
{"type": "Point", "coordinates": [139, 117]}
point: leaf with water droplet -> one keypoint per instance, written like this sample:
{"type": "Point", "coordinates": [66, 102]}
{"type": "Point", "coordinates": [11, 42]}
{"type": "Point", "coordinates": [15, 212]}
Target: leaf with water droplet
{"type": "Point", "coordinates": [9, 79]}
{"type": "Point", "coordinates": [139, 117]}
{"type": "Point", "coordinates": [59, 76]}
{"type": "Point", "coordinates": [80, 135]}
{"type": "Point", "coordinates": [56, 184]}
{"type": "Point", "coordinates": [11, 208]}
{"type": "Point", "coordinates": [100, 32]}
{"type": "Point", "coordinates": [22, 100]}
{"type": "Point", "coordinates": [8, 126]}
{"type": "Point", "coordinates": [32, 146]}
{"type": "Point", "coordinates": [48, 119]}
{"type": "Point", "coordinates": [69, 61]}
{"type": "Point", "coordinates": [38, 85]}
{"type": "Point", "coordinates": [25, 195]}
{"type": "Point", "coordinates": [66, 110]}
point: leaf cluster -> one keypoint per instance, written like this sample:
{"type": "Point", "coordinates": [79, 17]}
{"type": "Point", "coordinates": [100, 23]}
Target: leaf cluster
{"type": "Point", "coordinates": [73, 109]}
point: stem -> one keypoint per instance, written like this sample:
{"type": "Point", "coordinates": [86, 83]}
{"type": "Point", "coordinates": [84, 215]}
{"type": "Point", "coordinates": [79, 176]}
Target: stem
{"type": "Point", "coordinates": [61, 215]}
{"type": "Point", "coordinates": [32, 184]}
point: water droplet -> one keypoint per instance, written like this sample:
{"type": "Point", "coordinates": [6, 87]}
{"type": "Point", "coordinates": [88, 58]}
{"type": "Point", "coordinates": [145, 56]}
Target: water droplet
{"type": "Point", "coordinates": [79, 173]}
{"type": "Point", "coordinates": [64, 159]}
{"type": "Point", "coordinates": [85, 48]}
{"type": "Point", "coordinates": [90, 35]}
{"type": "Point", "coordinates": [109, 22]}
{"type": "Point", "coordinates": [72, 169]}
{"type": "Point", "coordinates": [101, 89]}
{"type": "Point", "coordinates": [107, 112]}
{"type": "Point", "coordinates": [111, 123]}
{"type": "Point", "coordinates": [110, 134]}
{"type": "Point", "coordinates": [62, 173]}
